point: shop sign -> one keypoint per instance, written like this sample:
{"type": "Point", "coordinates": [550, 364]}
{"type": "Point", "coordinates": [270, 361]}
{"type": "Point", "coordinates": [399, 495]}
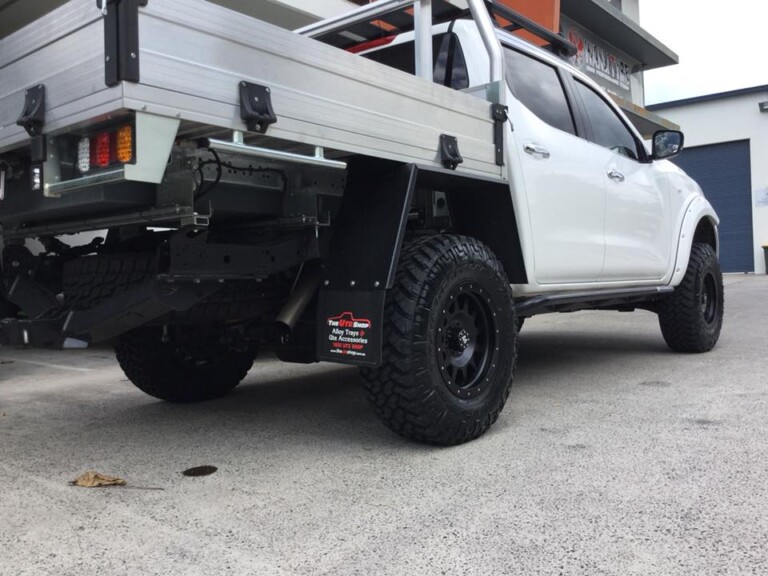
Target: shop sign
{"type": "Point", "coordinates": [599, 60]}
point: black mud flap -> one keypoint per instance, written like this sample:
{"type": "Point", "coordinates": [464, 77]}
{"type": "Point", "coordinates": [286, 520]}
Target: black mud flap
{"type": "Point", "coordinates": [362, 261]}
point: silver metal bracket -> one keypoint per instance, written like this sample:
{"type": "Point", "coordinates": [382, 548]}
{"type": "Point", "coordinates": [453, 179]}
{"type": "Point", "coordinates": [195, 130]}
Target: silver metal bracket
{"type": "Point", "coordinates": [237, 146]}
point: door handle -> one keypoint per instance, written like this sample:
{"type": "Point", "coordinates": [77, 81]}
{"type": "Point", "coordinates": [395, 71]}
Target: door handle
{"type": "Point", "coordinates": [536, 150]}
{"type": "Point", "coordinates": [616, 176]}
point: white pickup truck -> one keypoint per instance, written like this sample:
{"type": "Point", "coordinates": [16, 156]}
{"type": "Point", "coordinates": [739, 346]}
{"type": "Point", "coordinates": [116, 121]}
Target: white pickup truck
{"type": "Point", "coordinates": [396, 188]}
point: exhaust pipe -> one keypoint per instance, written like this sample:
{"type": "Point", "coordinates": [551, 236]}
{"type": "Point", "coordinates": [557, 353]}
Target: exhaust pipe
{"type": "Point", "coordinates": [304, 290]}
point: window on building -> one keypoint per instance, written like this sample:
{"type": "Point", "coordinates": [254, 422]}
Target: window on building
{"type": "Point", "coordinates": [538, 86]}
{"type": "Point", "coordinates": [450, 66]}
{"type": "Point", "coordinates": [607, 128]}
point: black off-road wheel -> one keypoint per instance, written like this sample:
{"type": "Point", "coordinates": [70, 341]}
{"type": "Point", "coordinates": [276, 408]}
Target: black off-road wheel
{"type": "Point", "coordinates": [450, 343]}
{"type": "Point", "coordinates": [183, 365]}
{"type": "Point", "coordinates": [692, 317]}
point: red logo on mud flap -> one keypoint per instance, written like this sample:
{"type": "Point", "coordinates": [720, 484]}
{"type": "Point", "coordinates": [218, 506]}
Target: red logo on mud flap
{"type": "Point", "coordinates": [347, 335]}
{"type": "Point", "coordinates": [348, 320]}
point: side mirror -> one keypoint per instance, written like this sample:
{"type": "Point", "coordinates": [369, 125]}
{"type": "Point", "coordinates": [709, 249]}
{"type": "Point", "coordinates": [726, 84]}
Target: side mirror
{"type": "Point", "coordinates": [667, 144]}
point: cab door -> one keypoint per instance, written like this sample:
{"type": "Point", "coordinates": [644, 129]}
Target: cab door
{"type": "Point", "coordinates": [564, 183]}
{"type": "Point", "coordinates": [638, 215]}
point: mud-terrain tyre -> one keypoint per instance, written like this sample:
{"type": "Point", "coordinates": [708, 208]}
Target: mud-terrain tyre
{"type": "Point", "coordinates": [182, 367]}
{"type": "Point", "coordinates": [692, 317]}
{"type": "Point", "coordinates": [450, 343]}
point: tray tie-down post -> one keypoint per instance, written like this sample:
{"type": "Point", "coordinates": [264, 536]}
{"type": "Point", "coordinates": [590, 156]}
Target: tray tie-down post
{"type": "Point", "coordinates": [256, 107]}
{"type": "Point", "coordinates": [450, 157]}
{"type": "Point", "coordinates": [32, 116]}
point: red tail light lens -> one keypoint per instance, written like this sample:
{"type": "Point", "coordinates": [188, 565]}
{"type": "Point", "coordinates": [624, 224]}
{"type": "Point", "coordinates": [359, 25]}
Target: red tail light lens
{"type": "Point", "coordinates": [101, 151]}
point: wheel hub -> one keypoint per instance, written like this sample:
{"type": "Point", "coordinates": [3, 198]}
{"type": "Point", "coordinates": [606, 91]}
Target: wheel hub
{"type": "Point", "coordinates": [458, 339]}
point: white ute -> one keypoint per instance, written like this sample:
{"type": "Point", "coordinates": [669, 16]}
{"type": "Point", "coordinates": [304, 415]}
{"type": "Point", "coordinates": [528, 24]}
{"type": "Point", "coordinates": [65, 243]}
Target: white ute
{"type": "Point", "coordinates": [396, 188]}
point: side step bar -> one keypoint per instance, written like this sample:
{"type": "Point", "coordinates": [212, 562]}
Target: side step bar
{"type": "Point", "coordinates": [573, 301]}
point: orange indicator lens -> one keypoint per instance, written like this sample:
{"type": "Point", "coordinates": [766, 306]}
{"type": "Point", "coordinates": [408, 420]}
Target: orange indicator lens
{"type": "Point", "coordinates": [125, 144]}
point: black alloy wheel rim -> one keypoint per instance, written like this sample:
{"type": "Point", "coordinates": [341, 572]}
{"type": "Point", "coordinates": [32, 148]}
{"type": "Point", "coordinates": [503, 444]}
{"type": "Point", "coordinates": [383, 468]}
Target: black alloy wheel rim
{"type": "Point", "coordinates": [709, 299]}
{"type": "Point", "coordinates": [466, 340]}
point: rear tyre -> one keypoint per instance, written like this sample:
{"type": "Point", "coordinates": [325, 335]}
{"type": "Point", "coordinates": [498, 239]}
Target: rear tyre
{"type": "Point", "coordinates": [450, 343]}
{"type": "Point", "coordinates": [183, 365]}
{"type": "Point", "coordinates": [692, 318]}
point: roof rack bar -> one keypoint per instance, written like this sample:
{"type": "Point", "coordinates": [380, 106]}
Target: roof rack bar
{"type": "Point", "coordinates": [361, 15]}
{"type": "Point", "coordinates": [557, 42]}
{"type": "Point", "coordinates": [423, 30]}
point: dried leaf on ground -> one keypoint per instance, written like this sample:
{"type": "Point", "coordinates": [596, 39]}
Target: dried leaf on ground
{"type": "Point", "coordinates": [93, 479]}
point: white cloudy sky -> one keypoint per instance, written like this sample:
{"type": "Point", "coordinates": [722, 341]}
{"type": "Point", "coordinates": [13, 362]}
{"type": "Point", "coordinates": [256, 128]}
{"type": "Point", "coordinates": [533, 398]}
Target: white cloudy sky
{"type": "Point", "coordinates": [722, 46]}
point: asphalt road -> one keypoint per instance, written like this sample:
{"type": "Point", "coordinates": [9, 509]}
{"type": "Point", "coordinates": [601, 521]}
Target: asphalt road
{"type": "Point", "coordinates": [613, 456]}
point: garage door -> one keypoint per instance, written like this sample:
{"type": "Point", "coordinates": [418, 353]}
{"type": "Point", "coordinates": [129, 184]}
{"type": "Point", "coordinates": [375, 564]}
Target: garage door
{"type": "Point", "coordinates": [723, 172]}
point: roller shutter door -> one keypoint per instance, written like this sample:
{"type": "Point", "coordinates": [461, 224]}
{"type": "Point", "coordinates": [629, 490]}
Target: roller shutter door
{"type": "Point", "coordinates": [723, 172]}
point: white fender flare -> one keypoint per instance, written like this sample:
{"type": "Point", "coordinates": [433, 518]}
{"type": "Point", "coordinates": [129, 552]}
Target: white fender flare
{"type": "Point", "coordinates": [698, 210]}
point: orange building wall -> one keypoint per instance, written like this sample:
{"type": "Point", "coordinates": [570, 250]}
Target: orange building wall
{"type": "Point", "coordinates": [545, 12]}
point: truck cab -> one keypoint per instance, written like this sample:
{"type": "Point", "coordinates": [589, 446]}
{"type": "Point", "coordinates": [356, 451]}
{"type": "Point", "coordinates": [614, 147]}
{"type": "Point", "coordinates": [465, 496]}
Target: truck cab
{"type": "Point", "coordinates": [592, 204]}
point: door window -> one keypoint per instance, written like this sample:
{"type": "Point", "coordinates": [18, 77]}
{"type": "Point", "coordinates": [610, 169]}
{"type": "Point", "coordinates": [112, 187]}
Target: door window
{"type": "Point", "coordinates": [538, 87]}
{"type": "Point", "coordinates": [607, 128]}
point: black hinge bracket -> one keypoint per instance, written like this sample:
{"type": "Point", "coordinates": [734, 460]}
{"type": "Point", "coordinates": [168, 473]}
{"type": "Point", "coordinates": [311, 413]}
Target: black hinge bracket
{"type": "Point", "coordinates": [32, 116]}
{"type": "Point", "coordinates": [449, 152]}
{"type": "Point", "coordinates": [121, 41]}
{"type": "Point", "coordinates": [256, 107]}
{"type": "Point", "coordinates": [500, 117]}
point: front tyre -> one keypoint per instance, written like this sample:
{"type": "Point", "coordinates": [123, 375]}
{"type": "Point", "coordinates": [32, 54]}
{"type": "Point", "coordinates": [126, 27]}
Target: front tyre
{"type": "Point", "coordinates": [182, 364]}
{"type": "Point", "coordinates": [450, 343]}
{"type": "Point", "coordinates": [692, 318]}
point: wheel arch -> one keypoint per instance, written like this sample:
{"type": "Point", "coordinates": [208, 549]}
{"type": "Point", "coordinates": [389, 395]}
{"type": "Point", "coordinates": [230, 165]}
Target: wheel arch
{"type": "Point", "coordinates": [365, 247]}
{"type": "Point", "coordinates": [481, 208]}
{"type": "Point", "coordinates": [699, 225]}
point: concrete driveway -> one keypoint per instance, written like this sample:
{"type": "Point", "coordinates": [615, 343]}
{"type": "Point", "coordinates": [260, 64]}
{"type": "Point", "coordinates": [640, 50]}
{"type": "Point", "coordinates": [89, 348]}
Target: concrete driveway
{"type": "Point", "coordinates": [613, 456]}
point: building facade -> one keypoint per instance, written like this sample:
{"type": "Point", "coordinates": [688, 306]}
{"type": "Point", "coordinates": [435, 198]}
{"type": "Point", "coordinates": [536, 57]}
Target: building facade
{"type": "Point", "coordinates": [726, 151]}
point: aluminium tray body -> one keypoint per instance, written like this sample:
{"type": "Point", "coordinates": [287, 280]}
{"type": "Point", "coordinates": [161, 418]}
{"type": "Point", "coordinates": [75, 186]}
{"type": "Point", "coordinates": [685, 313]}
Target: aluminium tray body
{"type": "Point", "coordinates": [192, 56]}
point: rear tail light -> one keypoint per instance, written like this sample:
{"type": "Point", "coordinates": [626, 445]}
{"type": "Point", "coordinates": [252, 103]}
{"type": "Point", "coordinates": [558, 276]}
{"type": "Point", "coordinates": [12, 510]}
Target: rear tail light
{"type": "Point", "coordinates": [102, 151]}
{"type": "Point", "coordinates": [105, 149]}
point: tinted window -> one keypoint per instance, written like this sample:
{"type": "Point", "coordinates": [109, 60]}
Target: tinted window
{"type": "Point", "coordinates": [450, 66]}
{"type": "Point", "coordinates": [608, 129]}
{"type": "Point", "coordinates": [538, 87]}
